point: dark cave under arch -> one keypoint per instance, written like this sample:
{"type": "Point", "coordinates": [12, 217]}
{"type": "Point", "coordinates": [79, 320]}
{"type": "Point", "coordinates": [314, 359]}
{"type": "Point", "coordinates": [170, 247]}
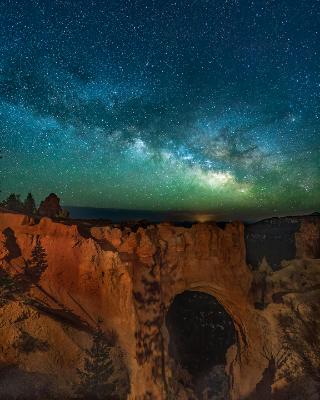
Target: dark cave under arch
{"type": "Point", "coordinates": [200, 332]}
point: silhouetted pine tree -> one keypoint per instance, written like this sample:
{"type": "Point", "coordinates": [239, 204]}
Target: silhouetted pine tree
{"type": "Point", "coordinates": [38, 263]}
{"type": "Point", "coordinates": [97, 372]}
{"type": "Point", "coordinates": [29, 205]}
{"type": "Point", "coordinates": [17, 284]}
{"type": "Point", "coordinates": [13, 202]}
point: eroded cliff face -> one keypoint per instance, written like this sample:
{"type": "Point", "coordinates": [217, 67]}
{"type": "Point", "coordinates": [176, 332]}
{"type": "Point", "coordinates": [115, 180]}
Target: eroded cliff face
{"type": "Point", "coordinates": [128, 278]}
{"type": "Point", "coordinates": [278, 239]}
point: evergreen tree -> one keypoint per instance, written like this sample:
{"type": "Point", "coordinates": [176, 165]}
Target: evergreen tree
{"type": "Point", "coordinates": [14, 286]}
{"type": "Point", "coordinates": [13, 202]}
{"type": "Point", "coordinates": [38, 263]}
{"type": "Point", "coordinates": [98, 369]}
{"type": "Point", "coordinates": [29, 205]}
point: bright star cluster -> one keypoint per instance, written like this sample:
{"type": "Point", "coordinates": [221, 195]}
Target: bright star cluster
{"type": "Point", "coordinates": [195, 105]}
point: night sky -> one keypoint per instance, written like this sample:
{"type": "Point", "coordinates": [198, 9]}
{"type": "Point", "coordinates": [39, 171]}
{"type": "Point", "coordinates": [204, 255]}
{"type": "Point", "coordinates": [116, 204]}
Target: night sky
{"type": "Point", "coordinates": [200, 105]}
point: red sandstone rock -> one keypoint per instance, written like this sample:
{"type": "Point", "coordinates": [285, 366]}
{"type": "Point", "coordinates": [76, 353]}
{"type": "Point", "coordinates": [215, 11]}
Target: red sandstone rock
{"type": "Point", "coordinates": [107, 274]}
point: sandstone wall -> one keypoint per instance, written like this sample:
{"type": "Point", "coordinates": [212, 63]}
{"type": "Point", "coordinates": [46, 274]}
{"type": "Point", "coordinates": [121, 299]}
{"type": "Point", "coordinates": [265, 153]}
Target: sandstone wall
{"type": "Point", "coordinates": [128, 278]}
{"type": "Point", "coordinates": [308, 238]}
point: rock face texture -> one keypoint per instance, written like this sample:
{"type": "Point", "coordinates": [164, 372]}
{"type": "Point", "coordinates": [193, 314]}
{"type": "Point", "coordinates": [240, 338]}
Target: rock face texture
{"type": "Point", "coordinates": [127, 277]}
{"type": "Point", "coordinates": [279, 239]}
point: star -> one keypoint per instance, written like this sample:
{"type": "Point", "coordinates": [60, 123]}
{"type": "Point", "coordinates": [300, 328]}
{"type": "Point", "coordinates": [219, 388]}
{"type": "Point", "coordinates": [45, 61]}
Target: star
{"type": "Point", "coordinates": [202, 106]}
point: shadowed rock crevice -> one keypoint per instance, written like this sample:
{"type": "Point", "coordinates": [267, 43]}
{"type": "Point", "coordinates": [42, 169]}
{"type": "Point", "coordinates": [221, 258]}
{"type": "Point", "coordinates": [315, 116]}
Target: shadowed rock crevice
{"type": "Point", "coordinates": [272, 239]}
{"type": "Point", "coordinates": [11, 244]}
{"type": "Point", "coordinates": [16, 383]}
{"type": "Point", "coordinates": [201, 331]}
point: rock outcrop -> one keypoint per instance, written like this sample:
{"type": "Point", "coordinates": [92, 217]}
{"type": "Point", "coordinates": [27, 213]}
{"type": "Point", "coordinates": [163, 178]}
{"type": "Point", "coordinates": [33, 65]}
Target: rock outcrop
{"type": "Point", "coordinates": [127, 278]}
{"type": "Point", "coordinates": [279, 239]}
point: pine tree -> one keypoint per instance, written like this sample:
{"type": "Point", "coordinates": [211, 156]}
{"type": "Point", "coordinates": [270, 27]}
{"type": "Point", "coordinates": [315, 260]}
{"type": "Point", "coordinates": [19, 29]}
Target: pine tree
{"type": "Point", "coordinates": [13, 202]}
{"type": "Point", "coordinates": [98, 370]}
{"type": "Point", "coordinates": [29, 205]}
{"type": "Point", "coordinates": [38, 263]}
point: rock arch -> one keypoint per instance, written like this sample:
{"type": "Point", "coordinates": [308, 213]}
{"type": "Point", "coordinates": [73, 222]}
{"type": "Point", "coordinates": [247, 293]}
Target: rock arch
{"type": "Point", "coordinates": [200, 335]}
{"type": "Point", "coordinates": [237, 353]}
{"type": "Point", "coordinates": [130, 277]}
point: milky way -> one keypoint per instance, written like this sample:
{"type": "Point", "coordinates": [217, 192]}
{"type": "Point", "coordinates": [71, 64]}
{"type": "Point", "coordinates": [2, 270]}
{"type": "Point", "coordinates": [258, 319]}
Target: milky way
{"type": "Point", "coordinates": [166, 105]}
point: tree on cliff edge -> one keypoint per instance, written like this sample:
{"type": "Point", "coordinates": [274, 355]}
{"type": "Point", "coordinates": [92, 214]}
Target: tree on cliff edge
{"type": "Point", "coordinates": [96, 381]}
{"type": "Point", "coordinates": [29, 205]}
{"type": "Point", "coordinates": [50, 207]}
{"type": "Point", "coordinates": [36, 266]}
{"type": "Point", "coordinates": [13, 203]}
{"type": "Point", "coordinates": [16, 285]}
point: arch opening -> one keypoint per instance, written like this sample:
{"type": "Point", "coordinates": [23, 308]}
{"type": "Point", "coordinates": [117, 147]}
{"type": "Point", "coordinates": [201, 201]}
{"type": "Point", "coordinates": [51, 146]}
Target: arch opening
{"type": "Point", "coordinates": [200, 333]}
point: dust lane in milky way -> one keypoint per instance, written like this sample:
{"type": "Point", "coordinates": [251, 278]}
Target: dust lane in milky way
{"type": "Point", "coordinates": [174, 105]}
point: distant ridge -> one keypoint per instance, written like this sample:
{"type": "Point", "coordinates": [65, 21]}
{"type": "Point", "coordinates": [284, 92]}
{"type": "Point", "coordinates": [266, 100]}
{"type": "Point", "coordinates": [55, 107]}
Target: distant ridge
{"type": "Point", "coordinates": [114, 215]}
{"type": "Point", "coordinates": [121, 215]}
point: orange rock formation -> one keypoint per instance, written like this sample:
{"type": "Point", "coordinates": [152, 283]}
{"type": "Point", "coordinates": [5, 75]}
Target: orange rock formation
{"type": "Point", "coordinates": [128, 279]}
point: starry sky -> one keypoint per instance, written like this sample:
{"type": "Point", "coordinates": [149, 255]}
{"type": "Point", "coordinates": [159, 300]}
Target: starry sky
{"type": "Point", "coordinates": [196, 105]}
